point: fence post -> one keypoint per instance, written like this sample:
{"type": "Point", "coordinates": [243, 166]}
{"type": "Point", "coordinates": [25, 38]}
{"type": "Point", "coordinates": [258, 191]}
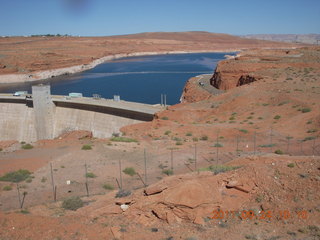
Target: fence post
{"type": "Point", "coordinates": [120, 174]}
{"type": "Point", "coordinates": [195, 157]}
{"type": "Point", "coordinates": [237, 150]}
{"type": "Point", "coordinates": [254, 143]}
{"type": "Point", "coordinates": [171, 159]}
{"type": "Point", "coordinates": [86, 175]}
{"type": "Point", "coordinates": [19, 194]}
{"type": "Point", "coordinates": [145, 167]}
{"type": "Point", "coordinates": [217, 145]}
{"type": "Point", "coordinates": [271, 147]}
{"type": "Point", "coordinates": [52, 181]}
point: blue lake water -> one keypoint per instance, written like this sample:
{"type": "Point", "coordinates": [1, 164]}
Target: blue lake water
{"type": "Point", "coordinates": [139, 79]}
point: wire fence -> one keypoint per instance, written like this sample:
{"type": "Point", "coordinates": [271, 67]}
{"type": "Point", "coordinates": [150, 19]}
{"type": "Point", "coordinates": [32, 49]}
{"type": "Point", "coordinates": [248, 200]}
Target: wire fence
{"type": "Point", "coordinates": [87, 178]}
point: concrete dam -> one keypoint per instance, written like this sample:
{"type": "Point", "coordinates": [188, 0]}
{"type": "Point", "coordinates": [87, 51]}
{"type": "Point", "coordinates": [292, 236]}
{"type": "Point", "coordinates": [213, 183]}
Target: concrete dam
{"type": "Point", "coordinates": [44, 116]}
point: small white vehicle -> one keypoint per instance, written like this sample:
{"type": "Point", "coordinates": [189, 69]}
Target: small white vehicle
{"type": "Point", "coordinates": [20, 93]}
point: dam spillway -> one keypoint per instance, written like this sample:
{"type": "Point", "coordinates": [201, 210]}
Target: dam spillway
{"type": "Point", "coordinates": [46, 116]}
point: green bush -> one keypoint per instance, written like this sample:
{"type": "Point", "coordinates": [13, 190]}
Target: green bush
{"type": "Point", "coordinates": [204, 138]}
{"type": "Point", "coordinates": [123, 139]}
{"type": "Point", "coordinates": [189, 134]}
{"type": "Point", "coordinates": [305, 110]}
{"type": "Point", "coordinates": [290, 165]}
{"type": "Point", "coordinates": [17, 176]}
{"type": "Point", "coordinates": [86, 147]}
{"type": "Point", "coordinates": [167, 172]}
{"type": "Point", "coordinates": [243, 130]}
{"type": "Point", "coordinates": [123, 193]}
{"type": "Point", "coordinates": [195, 139]}
{"type": "Point", "coordinates": [27, 146]}
{"type": "Point", "coordinates": [107, 186]}
{"type": "Point", "coordinates": [218, 145]}
{"type": "Point", "coordinates": [1, 149]}
{"type": "Point", "coordinates": [130, 171]}
{"type": "Point", "coordinates": [167, 132]}
{"type": "Point", "coordinates": [278, 151]}
{"type": "Point", "coordinates": [165, 118]}
{"type": "Point", "coordinates": [219, 168]}
{"type": "Point", "coordinates": [308, 138]}
{"type": "Point", "coordinates": [178, 143]}
{"type": "Point", "coordinates": [277, 117]}
{"type": "Point", "coordinates": [267, 145]}
{"type": "Point", "coordinates": [72, 203]}
{"type": "Point", "coordinates": [90, 175]}
{"type": "Point", "coordinates": [7, 188]}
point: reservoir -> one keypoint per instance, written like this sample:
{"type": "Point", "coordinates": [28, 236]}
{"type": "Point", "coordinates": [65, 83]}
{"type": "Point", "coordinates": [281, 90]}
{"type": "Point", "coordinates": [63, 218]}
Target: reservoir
{"type": "Point", "coordinates": [139, 79]}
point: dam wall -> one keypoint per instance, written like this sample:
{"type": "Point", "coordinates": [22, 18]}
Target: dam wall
{"type": "Point", "coordinates": [18, 122]}
{"type": "Point", "coordinates": [43, 116]}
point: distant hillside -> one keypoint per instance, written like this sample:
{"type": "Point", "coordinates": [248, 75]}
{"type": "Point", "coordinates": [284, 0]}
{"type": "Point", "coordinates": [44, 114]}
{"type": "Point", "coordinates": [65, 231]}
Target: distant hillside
{"type": "Point", "coordinates": [291, 38]}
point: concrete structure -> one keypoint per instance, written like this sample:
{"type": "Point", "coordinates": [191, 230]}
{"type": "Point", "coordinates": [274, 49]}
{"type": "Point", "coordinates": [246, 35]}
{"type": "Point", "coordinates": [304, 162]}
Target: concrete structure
{"type": "Point", "coordinates": [45, 116]}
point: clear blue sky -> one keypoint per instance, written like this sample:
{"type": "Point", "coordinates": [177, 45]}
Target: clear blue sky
{"type": "Point", "coordinates": [112, 17]}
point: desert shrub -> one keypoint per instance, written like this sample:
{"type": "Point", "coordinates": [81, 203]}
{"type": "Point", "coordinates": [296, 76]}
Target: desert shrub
{"type": "Point", "coordinates": [290, 165]}
{"type": "Point", "coordinates": [27, 146]}
{"type": "Point", "coordinates": [86, 147]}
{"type": "Point", "coordinates": [167, 132]}
{"type": "Point", "coordinates": [218, 145]}
{"type": "Point", "coordinates": [312, 131]}
{"type": "Point", "coordinates": [123, 193]}
{"type": "Point", "coordinates": [188, 134]}
{"type": "Point", "coordinates": [72, 203]}
{"type": "Point", "coordinates": [43, 179]}
{"type": "Point", "coordinates": [123, 139]}
{"type": "Point", "coordinates": [165, 118]}
{"type": "Point", "coordinates": [1, 149]}
{"type": "Point", "coordinates": [278, 151]}
{"type": "Point", "coordinates": [7, 188]}
{"type": "Point", "coordinates": [243, 130]}
{"type": "Point", "coordinates": [178, 143]}
{"type": "Point", "coordinates": [308, 138]}
{"type": "Point", "coordinates": [204, 138]}
{"type": "Point", "coordinates": [219, 168]}
{"type": "Point", "coordinates": [277, 117]}
{"type": "Point", "coordinates": [108, 186]}
{"type": "Point", "coordinates": [90, 175]}
{"type": "Point", "coordinates": [267, 145]}
{"type": "Point", "coordinates": [130, 171]}
{"type": "Point", "coordinates": [167, 172]}
{"type": "Point", "coordinates": [195, 139]}
{"type": "Point", "coordinates": [305, 110]}
{"type": "Point", "coordinates": [232, 118]}
{"type": "Point", "coordinates": [17, 176]}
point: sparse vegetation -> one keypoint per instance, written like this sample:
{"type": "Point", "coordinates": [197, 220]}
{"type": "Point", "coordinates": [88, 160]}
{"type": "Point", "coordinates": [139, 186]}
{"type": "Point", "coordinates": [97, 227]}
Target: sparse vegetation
{"type": "Point", "coordinates": [123, 139]}
{"type": "Point", "coordinates": [267, 145]}
{"type": "Point", "coordinates": [195, 139]}
{"type": "Point", "coordinates": [123, 193]}
{"type": "Point", "coordinates": [16, 176]}
{"type": "Point", "coordinates": [278, 151]}
{"type": "Point", "coordinates": [27, 146]}
{"type": "Point", "coordinates": [167, 172]}
{"type": "Point", "coordinates": [290, 165]}
{"type": "Point", "coordinates": [7, 188]}
{"type": "Point", "coordinates": [243, 130]}
{"type": "Point", "coordinates": [165, 118]}
{"type": "Point", "coordinates": [43, 179]}
{"type": "Point", "coordinates": [277, 117]}
{"type": "Point", "coordinates": [308, 138]}
{"type": "Point", "coordinates": [219, 168]}
{"type": "Point", "coordinates": [108, 186]}
{"type": "Point", "coordinates": [204, 138]}
{"type": "Point", "coordinates": [218, 145]}
{"type": "Point", "coordinates": [130, 171]}
{"type": "Point", "coordinates": [179, 143]}
{"type": "Point", "coordinates": [90, 175]}
{"type": "Point", "coordinates": [167, 132]}
{"type": "Point", "coordinates": [72, 203]}
{"type": "Point", "coordinates": [86, 147]}
{"type": "Point", "coordinates": [188, 134]}
{"type": "Point", "coordinates": [305, 110]}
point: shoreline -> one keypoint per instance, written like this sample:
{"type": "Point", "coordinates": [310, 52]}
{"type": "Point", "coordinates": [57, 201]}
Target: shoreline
{"type": "Point", "coordinates": [47, 74]}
